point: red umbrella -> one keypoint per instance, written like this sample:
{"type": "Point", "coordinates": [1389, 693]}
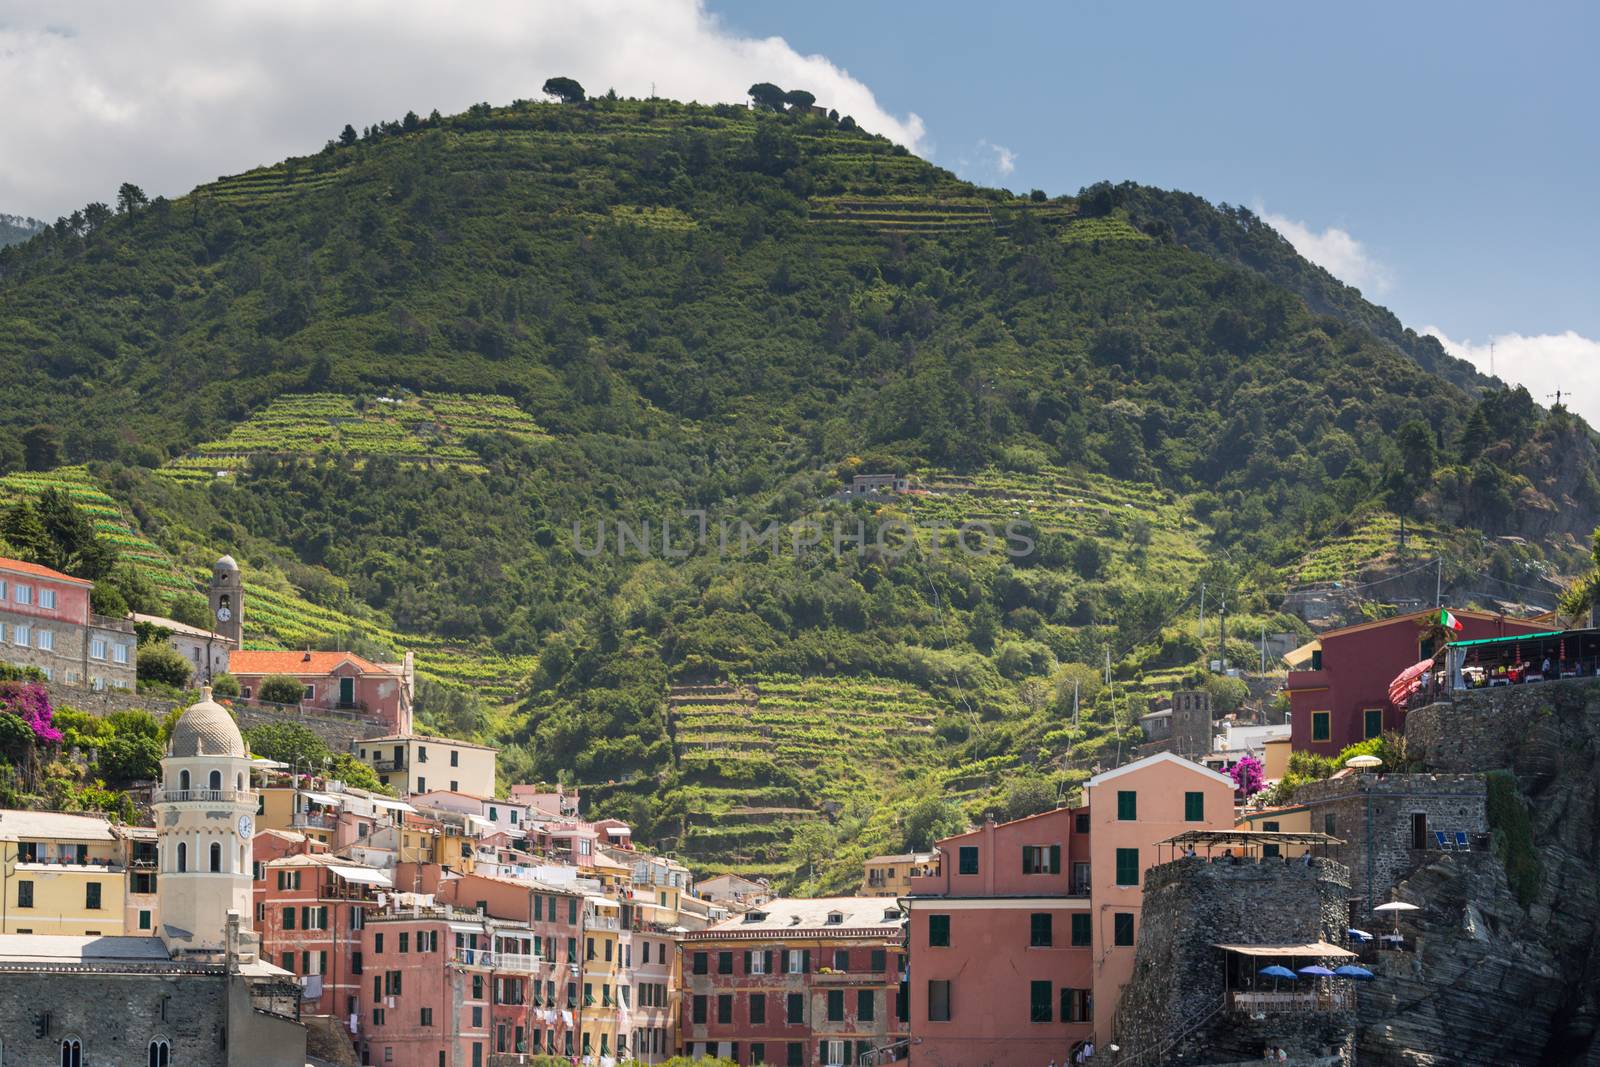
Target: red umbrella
{"type": "Point", "coordinates": [1408, 682]}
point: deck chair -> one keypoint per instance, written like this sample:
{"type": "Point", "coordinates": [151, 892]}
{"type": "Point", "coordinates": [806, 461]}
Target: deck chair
{"type": "Point", "coordinates": [1442, 840]}
{"type": "Point", "coordinates": [1462, 844]}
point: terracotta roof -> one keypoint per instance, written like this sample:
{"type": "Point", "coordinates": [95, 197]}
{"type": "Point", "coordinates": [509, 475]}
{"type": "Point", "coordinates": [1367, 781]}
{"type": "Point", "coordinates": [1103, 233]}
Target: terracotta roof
{"type": "Point", "coordinates": [179, 627]}
{"type": "Point", "coordinates": [418, 737]}
{"type": "Point", "coordinates": [16, 566]}
{"type": "Point", "coordinates": [251, 661]}
{"type": "Point", "coordinates": [1413, 616]}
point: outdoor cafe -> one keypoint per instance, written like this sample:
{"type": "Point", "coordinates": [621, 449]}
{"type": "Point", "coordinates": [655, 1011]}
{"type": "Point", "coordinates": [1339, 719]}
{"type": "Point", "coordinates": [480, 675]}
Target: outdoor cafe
{"type": "Point", "coordinates": [1244, 846]}
{"type": "Point", "coordinates": [1542, 657]}
{"type": "Point", "coordinates": [1314, 977]}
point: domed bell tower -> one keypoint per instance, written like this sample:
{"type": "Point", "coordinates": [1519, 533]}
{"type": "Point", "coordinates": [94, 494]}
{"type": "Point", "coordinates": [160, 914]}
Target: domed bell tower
{"type": "Point", "coordinates": [227, 600]}
{"type": "Point", "coordinates": [205, 818]}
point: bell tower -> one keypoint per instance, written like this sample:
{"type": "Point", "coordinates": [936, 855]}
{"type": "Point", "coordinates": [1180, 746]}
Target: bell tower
{"type": "Point", "coordinates": [205, 818]}
{"type": "Point", "coordinates": [227, 600]}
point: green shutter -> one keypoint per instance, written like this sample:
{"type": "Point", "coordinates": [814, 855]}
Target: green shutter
{"type": "Point", "coordinates": [1127, 866]}
{"type": "Point", "coordinates": [1127, 805]}
{"type": "Point", "coordinates": [1055, 859]}
{"type": "Point", "coordinates": [1082, 930]}
{"type": "Point", "coordinates": [1194, 807]}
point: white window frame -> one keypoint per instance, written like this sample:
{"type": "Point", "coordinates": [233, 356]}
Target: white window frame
{"type": "Point", "coordinates": [22, 635]}
{"type": "Point", "coordinates": [119, 654]}
{"type": "Point", "coordinates": [833, 1052]}
{"type": "Point", "coordinates": [45, 641]}
{"type": "Point", "coordinates": [22, 594]}
{"type": "Point", "coordinates": [97, 648]}
{"type": "Point", "coordinates": [310, 693]}
{"type": "Point", "coordinates": [47, 598]}
{"type": "Point", "coordinates": [797, 961]}
{"type": "Point", "coordinates": [758, 961]}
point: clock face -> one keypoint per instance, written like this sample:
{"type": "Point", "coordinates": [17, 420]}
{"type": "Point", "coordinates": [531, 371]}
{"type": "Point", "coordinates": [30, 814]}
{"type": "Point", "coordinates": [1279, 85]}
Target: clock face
{"type": "Point", "coordinates": [246, 826]}
{"type": "Point", "coordinates": [224, 614]}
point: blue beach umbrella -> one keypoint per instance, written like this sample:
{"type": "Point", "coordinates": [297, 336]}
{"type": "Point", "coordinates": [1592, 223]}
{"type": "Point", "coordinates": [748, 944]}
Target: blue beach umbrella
{"type": "Point", "coordinates": [1350, 970]}
{"type": "Point", "coordinates": [1277, 971]}
{"type": "Point", "coordinates": [1316, 970]}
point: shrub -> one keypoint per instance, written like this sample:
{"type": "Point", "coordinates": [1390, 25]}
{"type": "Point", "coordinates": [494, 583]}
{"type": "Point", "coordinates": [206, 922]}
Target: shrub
{"type": "Point", "coordinates": [164, 665]}
{"type": "Point", "coordinates": [225, 687]}
{"type": "Point", "coordinates": [280, 689]}
{"type": "Point", "coordinates": [130, 758]}
{"type": "Point", "coordinates": [1512, 836]}
{"type": "Point", "coordinates": [287, 742]}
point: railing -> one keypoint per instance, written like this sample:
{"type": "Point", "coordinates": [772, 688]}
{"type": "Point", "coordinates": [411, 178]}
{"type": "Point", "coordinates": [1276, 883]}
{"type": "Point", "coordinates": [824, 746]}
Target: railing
{"type": "Point", "coordinates": [1321, 1000]}
{"type": "Point", "coordinates": [1158, 1055]}
{"type": "Point", "coordinates": [180, 796]}
{"type": "Point", "coordinates": [599, 922]}
{"type": "Point", "coordinates": [319, 820]}
{"type": "Point", "coordinates": [889, 1053]}
{"type": "Point", "coordinates": [389, 764]}
{"type": "Point", "coordinates": [510, 961]}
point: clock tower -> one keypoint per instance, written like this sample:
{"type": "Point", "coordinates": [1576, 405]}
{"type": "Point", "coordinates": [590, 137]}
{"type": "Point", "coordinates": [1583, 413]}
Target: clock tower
{"type": "Point", "coordinates": [227, 600]}
{"type": "Point", "coordinates": [205, 819]}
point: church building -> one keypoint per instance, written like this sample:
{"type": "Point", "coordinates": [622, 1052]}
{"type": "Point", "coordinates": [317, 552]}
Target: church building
{"type": "Point", "coordinates": [197, 994]}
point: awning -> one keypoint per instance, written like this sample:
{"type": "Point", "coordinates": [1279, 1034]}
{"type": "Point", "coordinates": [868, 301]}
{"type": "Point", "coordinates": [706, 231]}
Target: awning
{"type": "Point", "coordinates": [365, 875]}
{"type": "Point", "coordinates": [1315, 948]}
{"type": "Point", "coordinates": [395, 805]}
{"type": "Point", "coordinates": [325, 799]}
{"type": "Point", "coordinates": [1297, 659]}
{"type": "Point", "coordinates": [1505, 640]}
{"type": "Point", "coordinates": [1408, 681]}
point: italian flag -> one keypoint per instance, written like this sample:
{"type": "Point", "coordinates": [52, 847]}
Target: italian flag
{"type": "Point", "coordinates": [1449, 621]}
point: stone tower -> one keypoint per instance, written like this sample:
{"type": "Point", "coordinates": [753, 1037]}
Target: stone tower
{"type": "Point", "coordinates": [227, 600]}
{"type": "Point", "coordinates": [205, 817]}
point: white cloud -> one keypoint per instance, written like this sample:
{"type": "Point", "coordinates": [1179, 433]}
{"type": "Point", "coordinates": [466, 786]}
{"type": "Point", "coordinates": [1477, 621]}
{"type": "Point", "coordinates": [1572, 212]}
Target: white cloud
{"type": "Point", "coordinates": [1336, 251]}
{"type": "Point", "coordinates": [1550, 361]}
{"type": "Point", "coordinates": [171, 95]}
{"type": "Point", "coordinates": [1005, 160]}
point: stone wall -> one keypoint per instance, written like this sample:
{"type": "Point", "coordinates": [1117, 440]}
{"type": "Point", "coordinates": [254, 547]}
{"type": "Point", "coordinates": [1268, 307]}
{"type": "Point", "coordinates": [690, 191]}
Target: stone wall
{"type": "Point", "coordinates": [1178, 976]}
{"type": "Point", "coordinates": [1374, 815]}
{"type": "Point", "coordinates": [116, 1017]}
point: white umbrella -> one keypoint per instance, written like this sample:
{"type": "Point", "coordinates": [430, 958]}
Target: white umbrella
{"type": "Point", "coordinates": [1395, 907]}
{"type": "Point", "coordinates": [1362, 763]}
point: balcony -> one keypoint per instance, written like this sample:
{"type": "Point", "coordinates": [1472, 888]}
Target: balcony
{"type": "Point", "coordinates": [214, 796]}
{"type": "Point", "coordinates": [852, 978]}
{"type": "Point", "coordinates": [1322, 1000]}
{"type": "Point", "coordinates": [389, 764]}
{"type": "Point", "coordinates": [317, 820]}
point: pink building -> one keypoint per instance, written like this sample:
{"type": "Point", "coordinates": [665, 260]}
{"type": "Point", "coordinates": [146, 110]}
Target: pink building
{"type": "Point", "coordinates": [45, 622]}
{"type": "Point", "coordinates": [1021, 942]}
{"type": "Point", "coordinates": [311, 909]}
{"type": "Point", "coordinates": [1130, 809]}
{"type": "Point", "coordinates": [560, 804]}
{"type": "Point", "coordinates": [334, 681]}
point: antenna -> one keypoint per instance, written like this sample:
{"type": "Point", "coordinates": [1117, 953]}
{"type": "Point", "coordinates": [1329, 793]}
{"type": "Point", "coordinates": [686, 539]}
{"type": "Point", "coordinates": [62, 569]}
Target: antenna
{"type": "Point", "coordinates": [1557, 395]}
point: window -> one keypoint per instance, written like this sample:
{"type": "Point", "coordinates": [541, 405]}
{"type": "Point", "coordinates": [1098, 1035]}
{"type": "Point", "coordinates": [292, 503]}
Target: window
{"type": "Point", "coordinates": [1371, 721]}
{"type": "Point", "coordinates": [71, 1050]}
{"type": "Point", "coordinates": [754, 962]}
{"type": "Point", "coordinates": [939, 930]}
{"type": "Point", "coordinates": [1127, 805]}
{"type": "Point", "coordinates": [1041, 859]}
{"type": "Point", "coordinates": [91, 896]}
{"type": "Point", "coordinates": [1194, 807]}
{"type": "Point", "coordinates": [724, 963]}
{"type": "Point", "coordinates": [699, 1008]}
{"type": "Point", "coordinates": [724, 1008]}
{"type": "Point", "coordinates": [455, 758]}
{"type": "Point", "coordinates": [796, 960]}
{"type": "Point", "coordinates": [25, 894]}
{"type": "Point", "coordinates": [23, 594]}
{"type": "Point", "coordinates": [758, 1052]}
{"type": "Point", "coordinates": [215, 780]}
{"type": "Point", "coordinates": [796, 1008]}
{"type": "Point", "coordinates": [758, 1008]}
{"type": "Point", "coordinates": [1327, 825]}
{"type": "Point", "coordinates": [1040, 995]}
{"type": "Point", "coordinates": [183, 857]}
{"type": "Point", "coordinates": [422, 785]}
{"type": "Point", "coordinates": [866, 1005]}
{"type": "Point", "coordinates": [97, 648]}
{"type": "Point", "coordinates": [377, 944]}
{"type": "Point", "coordinates": [939, 1002]}
{"type": "Point", "coordinates": [405, 941]}
{"type": "Point", "coordinates": [969, 859]}
{"type": "Point", "coordinates": [795, 1055]}
{"type": "Point", "coordinates": [427, 1016]}
{"type": "Point", "coordinates": [144, 919]}
{"type": "Point", "coordinates": [309, 693]}
{"type": "Point", "coordinates": [422, 753]}
{"type": "Point", "coordinates": [701, 964]}
{"type": "Point", "coordinates": [1077, 1006]}
{"type": "Point", "coordinates": [1321, 725]}
{"type": "Point", "coordinates": [1080, 823]}
{"type": "Point", "coordinates": [1082, 929]}
{"type": "Point", "coordinates": [119, 654]}
{"type": "Point", "coordinates": [47, 598]}
{"type": "Point", "coordinates": [455, 786]}
{"type": "Point", "coordinates": [21, 634]}
{"type": "Point", "coordinates": [836, 1005]}
{"type": "Point", "coordinates": [1040, 930]}
{"type": "Point", "coordinates": [1122, 928]}
{"type": "Point", "coordinates": [841, 959]}
{"type": "Point", "coordinates": [1127, 866]}
{"type": "Point", "coordinates": [46, 641]}
{"type": "Point", "coordinates": [160, 1054]}
{"type": "Point", "coordinates": [216, 858]}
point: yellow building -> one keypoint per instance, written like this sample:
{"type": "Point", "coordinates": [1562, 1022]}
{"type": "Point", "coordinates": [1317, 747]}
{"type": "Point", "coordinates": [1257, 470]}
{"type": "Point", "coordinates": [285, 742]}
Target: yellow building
{"type": "Point", "coordinates": [414, 763]}
{"type": "Point", "coordinates": [890, 876]}
{"type": "Point", "coordinates": [61, 874]}
{"type": "Point", "coordinates": [1284, 820]}
{"type": "Point", "coordinates": [603, 976]}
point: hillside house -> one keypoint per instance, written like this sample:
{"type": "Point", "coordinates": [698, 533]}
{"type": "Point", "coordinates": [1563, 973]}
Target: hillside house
{"type": "Point", "coordinates": [1338, 685]}
{"type": "Point", "coordinates": [880, 483]}
{"type": "Point", "coordinates": [335, 681]}
{"type": "Point", "coordinates": [409, 762]}
{"type": "Point", "coordinates": [890, 876]}
{"type": "Point", "coordinates": [206, 650]}
{"type": "Point", "coordinates": [45, 622]}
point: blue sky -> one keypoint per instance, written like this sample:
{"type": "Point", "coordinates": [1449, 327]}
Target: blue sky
{"type": "Point", "coordinates": [1440, 157]}
{"type": "Point", "coordinates": [1458, 145]}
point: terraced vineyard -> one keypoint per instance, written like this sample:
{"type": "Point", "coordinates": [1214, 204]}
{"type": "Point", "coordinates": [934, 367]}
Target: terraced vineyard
{"type": "Point", "coordinates": [1372, 542]}
{"type": "Point", "coordinates": [1101, 228]}
{"type": "Point", "coordinates": [109, 523]}
{"type": "Point", "coordinates": [1118, 513]}
{"type": "Point", "coordinates": [772, 752]}
{"type": "Point", "coordinates": [266, 184]}
{"type": "Point", "coordinates": [430, 428]}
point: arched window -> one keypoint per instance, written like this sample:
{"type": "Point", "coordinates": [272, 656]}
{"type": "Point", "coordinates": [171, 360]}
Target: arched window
{"type": "Point", "coordinates": [183, 856]}
{"type": "Point", "coordinates": [160, 1053]}
{"type": "Point", "coordinates": [71, 1052]}
{"type": "Point", "coordinates": [183, 781]}
{"type": "Point", "coordinates": [216, 857]}
{"type": "Point", "coordinates": [238, 781]}
{"type": "Point", "coordinates": [216, 780]}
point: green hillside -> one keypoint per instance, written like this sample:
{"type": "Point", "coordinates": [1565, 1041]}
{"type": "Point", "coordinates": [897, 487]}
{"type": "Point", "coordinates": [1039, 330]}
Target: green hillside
{"type": "Point", "coordinates": [393, 377]}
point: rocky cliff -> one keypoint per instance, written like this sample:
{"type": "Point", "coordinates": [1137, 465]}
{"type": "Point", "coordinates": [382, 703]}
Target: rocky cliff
{"type": "Point", "coordinates": [1503, 973]}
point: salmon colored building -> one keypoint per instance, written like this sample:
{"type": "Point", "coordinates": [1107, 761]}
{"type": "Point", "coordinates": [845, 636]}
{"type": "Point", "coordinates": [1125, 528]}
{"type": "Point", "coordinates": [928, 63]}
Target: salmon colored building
{"type": "Point", "coordinates": [334, 681]}
{"type": "Point", "coordinates": [1130, 809]}
{"type": "Point", "coordinates": [311, 909]}
{"type": "Point", "coordinates": [1339, 694]}
{"type": "Point", "coordinates": [1021, 941]}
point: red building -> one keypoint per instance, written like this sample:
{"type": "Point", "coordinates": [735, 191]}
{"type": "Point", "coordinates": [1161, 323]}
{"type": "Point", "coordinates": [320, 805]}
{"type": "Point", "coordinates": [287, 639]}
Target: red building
{"type": "Point", "coordinates": [334, 681]}
{"type": "Point", "coordinates": [795, 984]}
{"type": "Point", "coordinates": [45, 622]}
{"type": "Point", "coordinates": [310, 912]}
{"type": "Point", "coordinates": [1341, 696]}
